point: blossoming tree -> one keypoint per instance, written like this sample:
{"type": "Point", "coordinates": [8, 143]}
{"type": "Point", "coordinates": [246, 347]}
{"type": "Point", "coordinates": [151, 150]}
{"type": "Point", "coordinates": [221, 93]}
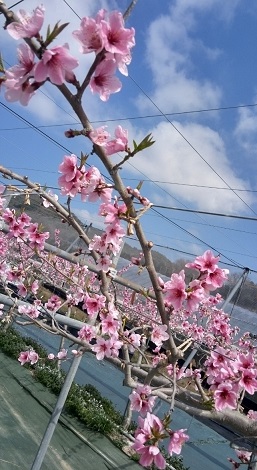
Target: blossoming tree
{"type": "Point", "coordinates": [175, 316]}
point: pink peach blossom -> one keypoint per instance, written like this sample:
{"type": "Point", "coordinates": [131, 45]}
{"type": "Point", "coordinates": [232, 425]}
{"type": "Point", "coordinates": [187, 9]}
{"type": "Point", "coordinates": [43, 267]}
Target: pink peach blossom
{"type": "Point", "coordinates": [103, 81]}
{"type": "Point", "coordinates": [109, 325]}
{"type": "Point", "coordinates": [62, 354]}
{"type": "Point", "coordinates": [119, 144]}
{"type": "Point", "coordinates": [225, 397]}
{"type": "Point", "coordinates": [55, 64]}
{"type": "Point", "coordinates": [178, 438]}
{"type": "Point", "coordinates": [141, 399]}
{"type": "Point", "coordinates": [116, 38]}
{"type": "Point", "coordinates": [89, 35]}
{"type": "Point", "coordinates": [18, 84]}
{"type": "Point", "coordinates": [99, 136]}
{"type": "Point", "coordinates": [28, 356]}
{"type": "Point", "coordinates": [28, 25]}
{"type": "Point", "coordinates": [87, 333]}
{"type": "Point", "coordinates": [159, 334]}
{"type": "Point", "coordinates": [206, 262]}
{"type": "Point", "coordinates": [94, 303]}
{"type": "Point", "coordinates": [175, 290]}
{"type": "Point", "coordinates": [102, 348]}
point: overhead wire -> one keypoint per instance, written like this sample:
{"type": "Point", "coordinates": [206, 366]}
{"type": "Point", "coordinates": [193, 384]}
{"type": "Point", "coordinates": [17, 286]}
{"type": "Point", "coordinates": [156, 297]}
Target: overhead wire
{"type": "Point", "coordinates": [168, 219]}
{"type": "Point", "coordinates": [172, 124]}
{"type": "Point", "coordinates": [72, 9]}
{"type": "Point", "coordinates": [217, 214]}
{"type": "Point", "coordinates": [43, 134]}
{"type": "Point", "coordinates": [159, 206]}
{"type": "Point", "coordinates": [38, 130]}
{"type": "Point", "coordinates": [191, 254]}
{"type": "Point", "coordinates": [193, 185]}
{"type": "Point", "coordinates": [191, 145]}
{"type": "Point", "coordinates": [35, 128]}
{"type": "Point", "coordinates": [239, 265]}
{"type": "Point", "coordinates": [14, 5]}
{"type": "Point", "coordinates": [150, 180]}
{"type": "Point", "coordinates": [156, 215]}
{"type": "Point", "coordinates": [145, 116]}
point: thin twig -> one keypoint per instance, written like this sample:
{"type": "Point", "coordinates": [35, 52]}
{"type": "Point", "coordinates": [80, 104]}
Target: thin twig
{"type": "Point", "coordinates": [129, 9]}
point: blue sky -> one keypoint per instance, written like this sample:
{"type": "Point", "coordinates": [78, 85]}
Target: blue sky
{"type": "Point", "coordinates": [190, 55]}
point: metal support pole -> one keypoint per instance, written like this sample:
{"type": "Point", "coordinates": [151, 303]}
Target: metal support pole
{"type": "Point", "coordinates": [253, 459]}
{"type": "Point", "coordinates": [189, 359]}
{"type": "Point", "coordinates": [56, 413]}
{"type": "Point", "coordinates": [235, 288]}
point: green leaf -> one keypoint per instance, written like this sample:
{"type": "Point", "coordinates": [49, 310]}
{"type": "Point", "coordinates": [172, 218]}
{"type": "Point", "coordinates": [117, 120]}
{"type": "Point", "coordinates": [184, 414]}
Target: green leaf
{"type": "Point", "coordinates": [144, 144]}
{"type": "Point", "coordinates": [135, 145]}
{"type": "Point", "coordinates": [139, 186]}
{"type": "Point", "coordinates": [56, 31]}
{"type": "Point", "coordinates": [83, 159]}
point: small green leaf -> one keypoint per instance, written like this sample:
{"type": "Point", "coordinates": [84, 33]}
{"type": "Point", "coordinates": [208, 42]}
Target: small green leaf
{"type": "Point", "coordinates": [83, 159]}
{"type": "Point", "coordinates": [135, 145]}
{"type": "Point", "coordinates": [139, 186]}
{"type": "Point", "coordinates": [56, 31]}
{"type": "Point", "coordinates": [144, 144]}
{"type": "Point", "coordinates": [145, 293]}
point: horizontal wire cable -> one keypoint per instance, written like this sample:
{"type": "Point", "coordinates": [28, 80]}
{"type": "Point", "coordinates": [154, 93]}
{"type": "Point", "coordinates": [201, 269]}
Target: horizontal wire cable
{"type": "Point", "coordinates": [183, 138]}
{"type": "Point", "coordinates": [147, 116]}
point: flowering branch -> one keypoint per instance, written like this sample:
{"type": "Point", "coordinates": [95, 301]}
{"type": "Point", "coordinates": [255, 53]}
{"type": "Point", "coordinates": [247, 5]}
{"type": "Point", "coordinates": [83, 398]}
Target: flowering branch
{"type": "Point", "coordinates": [172, 315]}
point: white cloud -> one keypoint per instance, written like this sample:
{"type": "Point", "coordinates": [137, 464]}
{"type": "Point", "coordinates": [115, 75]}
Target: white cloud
{"type": "Point", "coordinates": [245, 130]}
{"type": "Point", "coordinates": [170, 43]}
{"type": "Point", "coordinates": [171, 159]}
{"type": "Point", "coordinates": [224, 10]}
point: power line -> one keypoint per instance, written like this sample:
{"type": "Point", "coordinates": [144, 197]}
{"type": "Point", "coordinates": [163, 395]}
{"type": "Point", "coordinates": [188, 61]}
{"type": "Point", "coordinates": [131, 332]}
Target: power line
{"type": "Point", "coordinates": [35, 128]}
{"type": "Point", "coordinates": [60, 145]}
{"type": "Point", "coordinates": [177, 225]}
{"type": "Point", "coordinates": [191, 222]}
{"type": "Point", "coordinates": [218, 214]}
{"type": "Point", "coordinates": [159, 206]}
{"type": "Point", "coordinates": [134, 118]}
{"type": "Point", "coordinates": [191, 145]}
{"type": "Point", "coordinates": [48, 137]}
{"type": "Point", "coordinates": [184, 252]}
{"type": "Point", "coordinates": [149, 180]}
{"type": "Point", "coordinates": [196, 238]}
{"type": "Point", "coordinates": [178, 132]}
{"type": "Point", "coordinates": [193, 185]}
{"type": "Point", "coordinates": [14, 5]}
{"type": "Point", "coordinates": [190, 254]}
{"type": "Point", "coordinates": [193, 148]}
{"type": "Point", "coordinates": [66, 3]}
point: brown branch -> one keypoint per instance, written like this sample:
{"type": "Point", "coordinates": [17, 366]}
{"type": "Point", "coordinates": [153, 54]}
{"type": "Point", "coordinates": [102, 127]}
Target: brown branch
{"type": "Point", "coordinates": [129, 9]}
{"type": "Point", "coordinates": [99, 57]}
